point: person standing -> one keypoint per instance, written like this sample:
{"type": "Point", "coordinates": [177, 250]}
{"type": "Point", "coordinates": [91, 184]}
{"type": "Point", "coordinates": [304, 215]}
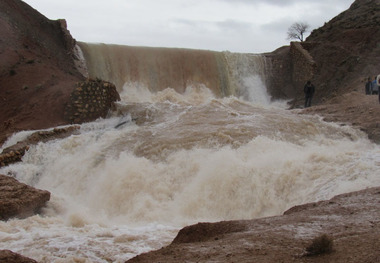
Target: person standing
{"type": "Point", "coordinates": [368, 86]}
{"type": "Point", "coordinates": [375, 87]}
{"type": "Point", "coordinates": [378, 84]}
{"type": "Point", "coordinates": [309, 90]}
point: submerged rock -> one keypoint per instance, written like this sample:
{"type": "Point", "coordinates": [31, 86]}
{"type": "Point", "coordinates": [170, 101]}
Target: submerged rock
{"type": "Point", "coordinates": [15, 152]}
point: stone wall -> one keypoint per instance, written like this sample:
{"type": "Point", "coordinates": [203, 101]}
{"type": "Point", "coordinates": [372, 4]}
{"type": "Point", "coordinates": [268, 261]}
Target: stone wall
{"type": "Point", "coordinates": [279, 77]}
{"type": "Point", "coordinates": [90, 100]}
{"type": "Point", "coordinates": [303, 66]}
{"type": "Point", "coordinates": [291, 67]}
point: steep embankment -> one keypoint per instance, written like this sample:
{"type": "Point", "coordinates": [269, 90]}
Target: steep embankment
{"type": "Point", "coordinates": [37, 69]}
{"type": "Point", "coordinates": [346, 50]}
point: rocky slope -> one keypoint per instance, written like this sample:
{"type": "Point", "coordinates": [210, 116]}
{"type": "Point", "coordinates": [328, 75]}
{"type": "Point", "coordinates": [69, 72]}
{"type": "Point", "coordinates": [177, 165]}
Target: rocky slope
{"type": "Point", "coordinates": [40, 69]}
{"type": "Point", "coordinates": [7, 256]}
{"type": "Point", "coordinates": [346, 50]}
{"type": "Point", "coordinates": [351, 223]}
{"type": "Point", "coordinates": [37, 69]}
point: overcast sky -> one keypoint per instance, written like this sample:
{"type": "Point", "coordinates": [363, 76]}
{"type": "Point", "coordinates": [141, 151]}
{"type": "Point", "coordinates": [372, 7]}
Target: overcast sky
{"type": "Point", "coordinates": [249, 26]}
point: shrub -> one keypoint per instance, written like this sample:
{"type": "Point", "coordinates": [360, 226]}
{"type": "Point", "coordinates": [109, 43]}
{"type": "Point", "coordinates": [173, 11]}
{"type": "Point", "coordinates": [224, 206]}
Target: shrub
{"type": "Point", "coordinates": [322, 244]}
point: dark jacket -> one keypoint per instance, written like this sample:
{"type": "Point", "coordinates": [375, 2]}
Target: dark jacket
{"type": "Point", "coordinates": [309, 90]}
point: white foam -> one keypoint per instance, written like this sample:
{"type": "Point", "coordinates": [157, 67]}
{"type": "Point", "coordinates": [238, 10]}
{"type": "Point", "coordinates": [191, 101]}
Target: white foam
{"type": "Point", "coordinates": [120, 192]}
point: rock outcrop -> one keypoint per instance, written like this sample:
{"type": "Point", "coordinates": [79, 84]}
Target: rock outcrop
{"type": "Point", "coordinates": [346, 50]}
{"type": "Point", "coordinates": [15, 152]}
{"type": "Point", "coordinates": [7, 256]}
{"type": "Point", "coordinates": [341, 55]}
{"type": "Point", "coordinates": [18, 199]}
{"type": "Point", "coordinates": [37, 69]}
{"type": "Point", "coordinates": [349, 222]}
{"type": "Point", "coordinates": [40, 65]}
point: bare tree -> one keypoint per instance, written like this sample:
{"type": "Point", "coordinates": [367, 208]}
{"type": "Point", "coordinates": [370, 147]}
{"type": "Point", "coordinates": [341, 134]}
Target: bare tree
{"type": "Point", "coordinates": [297, 30]}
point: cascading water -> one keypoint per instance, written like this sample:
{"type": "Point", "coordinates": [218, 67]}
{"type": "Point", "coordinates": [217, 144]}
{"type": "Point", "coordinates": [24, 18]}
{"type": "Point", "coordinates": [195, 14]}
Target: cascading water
{"type": "Point", "coordinates": [248, 76]}
{"type": "Point", "coordinates": [224, 73]}
{"type": "Point", "coordinates": [177, 158]}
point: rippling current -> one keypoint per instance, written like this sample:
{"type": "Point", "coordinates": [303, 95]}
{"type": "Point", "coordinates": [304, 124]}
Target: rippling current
{"type": "Point", "coordinates": [177, 159]}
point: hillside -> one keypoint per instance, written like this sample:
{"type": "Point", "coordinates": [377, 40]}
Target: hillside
{"type": "Point", "coordinates": [346, 50]}
{"type": "Point", "coordinates": [37, 69]}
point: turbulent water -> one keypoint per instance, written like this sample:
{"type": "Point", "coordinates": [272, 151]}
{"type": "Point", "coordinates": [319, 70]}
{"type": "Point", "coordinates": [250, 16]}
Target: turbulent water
{"type": "Point", "coordinates": [176, 159]}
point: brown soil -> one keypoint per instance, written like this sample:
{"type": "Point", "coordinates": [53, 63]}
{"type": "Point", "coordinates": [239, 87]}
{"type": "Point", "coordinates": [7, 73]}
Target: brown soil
{"type": "Point", "coordinates": [37, 70]}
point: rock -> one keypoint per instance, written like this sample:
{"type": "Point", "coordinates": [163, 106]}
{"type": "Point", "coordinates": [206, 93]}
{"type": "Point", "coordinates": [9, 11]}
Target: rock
{"type": "Point", "coordinates": [7, 256]}
{"type": "Point", "coordinates": [343, 229]}
{"type": "Point", "coordinates": [15, 152]}
{"type": "Point", "coordinates": [40, 90]}
{"type": "Point", "coordinates": [18, 199]}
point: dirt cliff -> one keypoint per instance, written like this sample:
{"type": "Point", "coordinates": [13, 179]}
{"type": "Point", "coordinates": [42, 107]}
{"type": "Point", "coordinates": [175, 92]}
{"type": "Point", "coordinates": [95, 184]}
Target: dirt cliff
{"type": "Point", "coordinates": [346, 50]}
{"type": "Point", "coordinates": [37, 69]}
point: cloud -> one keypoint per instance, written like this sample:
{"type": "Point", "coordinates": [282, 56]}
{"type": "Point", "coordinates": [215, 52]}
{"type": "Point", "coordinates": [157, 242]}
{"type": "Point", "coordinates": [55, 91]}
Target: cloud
{"type": "Point", "coordinates": [282, 3]}
{"type": "Point", "coordinates": [238, 25]}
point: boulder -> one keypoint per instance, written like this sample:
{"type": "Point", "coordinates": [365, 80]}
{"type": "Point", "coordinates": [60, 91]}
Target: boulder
{"type": "Point", "coordinates": [8, 256]}
{"type": "Point", "coordinates": [15, 152]}
{"type": "Point", "coordinates": [18, 199]}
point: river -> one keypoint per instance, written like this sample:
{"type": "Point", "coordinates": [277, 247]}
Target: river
{"type": "Point", "coordinates": [173, 156]}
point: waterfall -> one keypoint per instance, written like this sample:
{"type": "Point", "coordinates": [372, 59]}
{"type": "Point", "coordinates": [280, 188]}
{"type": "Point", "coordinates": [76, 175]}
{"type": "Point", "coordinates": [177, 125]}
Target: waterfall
{"type": "Point", "coordinates": [224, 73]}
{"type": "Point", "coordinates": [248, 76]}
